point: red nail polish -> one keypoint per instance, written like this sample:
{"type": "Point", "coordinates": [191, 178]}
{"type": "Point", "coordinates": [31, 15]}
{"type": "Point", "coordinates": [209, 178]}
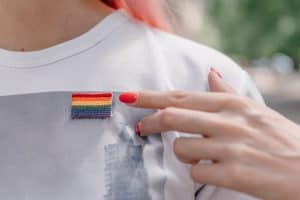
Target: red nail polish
{"type": "Point", "coordinates": [138, 129]}
{"type": "Point", "coordinates": [216, 72]}
{"type": "Point", "coordinates": [128, 97]}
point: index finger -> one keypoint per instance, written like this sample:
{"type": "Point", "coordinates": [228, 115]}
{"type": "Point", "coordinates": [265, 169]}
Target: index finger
{"type": "Point", "coordinates": [204, 101]}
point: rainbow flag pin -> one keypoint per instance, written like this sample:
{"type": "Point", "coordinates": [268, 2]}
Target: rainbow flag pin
{"type": "Point", "coordinates": [92, 105]}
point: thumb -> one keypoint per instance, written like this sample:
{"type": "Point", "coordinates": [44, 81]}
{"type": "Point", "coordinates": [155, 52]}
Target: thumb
{"type": "Point", "coordinates": [216, 82]}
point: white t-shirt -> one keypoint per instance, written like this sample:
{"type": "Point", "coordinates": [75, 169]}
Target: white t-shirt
{"type": "Point", "coordinates": [118, 54]}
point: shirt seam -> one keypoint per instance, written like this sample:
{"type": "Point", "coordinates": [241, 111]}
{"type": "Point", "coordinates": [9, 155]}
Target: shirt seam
{"type": "Point", "coordinates": [125, 20]}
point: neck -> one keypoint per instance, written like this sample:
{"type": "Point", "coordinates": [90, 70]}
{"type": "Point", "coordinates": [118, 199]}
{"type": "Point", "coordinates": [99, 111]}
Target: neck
{"type": "Point", "coordinates": [36, 24]}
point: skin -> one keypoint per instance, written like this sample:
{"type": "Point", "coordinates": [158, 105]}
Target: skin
{"type": "Point", "coordinates": [254, 149]}
{"type": "Point", "coordinates": [37, 24]}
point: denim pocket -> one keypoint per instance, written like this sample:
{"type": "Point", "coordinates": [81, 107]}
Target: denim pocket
{"type": "Point", "coordinates": [133, 165]}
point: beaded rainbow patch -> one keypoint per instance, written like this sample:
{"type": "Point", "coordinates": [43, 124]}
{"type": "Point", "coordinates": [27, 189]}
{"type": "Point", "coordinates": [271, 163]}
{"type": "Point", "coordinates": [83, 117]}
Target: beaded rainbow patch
{"type": "Point", "coordinates": [92, 105]}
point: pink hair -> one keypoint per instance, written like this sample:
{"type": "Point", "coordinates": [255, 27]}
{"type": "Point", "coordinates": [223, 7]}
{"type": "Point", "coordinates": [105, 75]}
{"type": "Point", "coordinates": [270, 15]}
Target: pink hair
{"type": "Point", "coordinates": [149, 11]}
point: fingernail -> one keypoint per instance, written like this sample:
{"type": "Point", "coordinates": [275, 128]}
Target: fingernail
{"type": "Point", "coordinates": [138, 129]}
{"type": "Point", "coordinates": [128, 97]}
{"type": "Point", "coordinates": [216, 72]}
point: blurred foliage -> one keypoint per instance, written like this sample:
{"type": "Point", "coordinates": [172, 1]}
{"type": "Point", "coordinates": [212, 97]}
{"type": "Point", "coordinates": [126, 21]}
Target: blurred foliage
{"type": "Point", "coordinates": [257, 28]}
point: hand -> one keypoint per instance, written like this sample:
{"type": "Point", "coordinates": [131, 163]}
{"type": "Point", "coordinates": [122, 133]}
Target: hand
{"type": "Point", "coordinates": [254, 149]}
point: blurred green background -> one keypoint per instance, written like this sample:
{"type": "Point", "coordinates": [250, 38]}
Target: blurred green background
{"type": "Point", "coordinates": [262, 36]}
{"type": "Point", "coordinates": [252, 29]}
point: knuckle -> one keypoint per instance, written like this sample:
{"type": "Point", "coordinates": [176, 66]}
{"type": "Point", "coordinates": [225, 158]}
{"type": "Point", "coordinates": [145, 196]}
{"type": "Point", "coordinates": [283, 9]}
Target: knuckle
{"type": "Point", "coordinates": [236, 151]}
{"type": "Point", "coordinates": [256, 118]}
{"type": "Point", "coordinates": [241, 102]}
{"type": "Point", "coordinates": [167, 117]}
{"type": "Point", "coordinates": [229, 100]}
{"type": "Point", "coordinates": [176, 97]}
{"type": "Point", "coordinates": [240, 151]}
{"type": "Point", "coordinates": [236, 102]}
{"type": "Point", "coordinates": [227, 151]}
{"type": "Point", "coordinates": [178, 94]}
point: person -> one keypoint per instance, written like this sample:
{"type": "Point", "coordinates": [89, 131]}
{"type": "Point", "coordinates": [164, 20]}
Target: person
{"type": "Point", "coordinates": [254, 149]}
{"type": "Point", "coordinates": [53, 55]}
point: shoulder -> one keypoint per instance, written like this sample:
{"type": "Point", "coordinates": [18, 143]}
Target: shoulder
{"type": "Point", "coordinates": [183, 59]}
{"type": "Point", "coordinates": [198, 58]}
